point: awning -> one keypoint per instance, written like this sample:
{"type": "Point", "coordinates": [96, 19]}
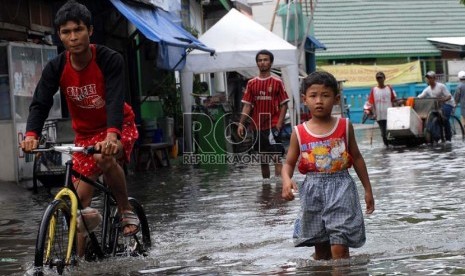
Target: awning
{"type": "Point", "coordinates": [454, 44]}
{"type": "Point", "coordinates": [312, 44]}
{"type": "Point", "coordinates": [157, 25]}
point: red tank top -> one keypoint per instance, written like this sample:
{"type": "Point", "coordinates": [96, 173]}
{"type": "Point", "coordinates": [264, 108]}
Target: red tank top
{"type": "Point", "coordinates": [85, 94]}
{"type": "Point", "coordinates": [324, 153]}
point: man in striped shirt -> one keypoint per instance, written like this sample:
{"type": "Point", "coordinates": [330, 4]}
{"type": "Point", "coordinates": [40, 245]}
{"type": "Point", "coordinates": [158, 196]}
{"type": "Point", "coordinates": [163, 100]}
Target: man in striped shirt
{"type": "Point", "coordinates": [265, 100]}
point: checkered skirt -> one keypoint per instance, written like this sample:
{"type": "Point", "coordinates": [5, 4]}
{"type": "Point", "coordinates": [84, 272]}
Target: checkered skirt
{"type": "Point", "coordinates": [330, 211]}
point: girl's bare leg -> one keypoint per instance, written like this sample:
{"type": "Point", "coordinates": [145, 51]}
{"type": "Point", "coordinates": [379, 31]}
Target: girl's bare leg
{"type": "Point", "coordinates": [339, 251]}
{"type": "Point", "coordinates": [322, 251]}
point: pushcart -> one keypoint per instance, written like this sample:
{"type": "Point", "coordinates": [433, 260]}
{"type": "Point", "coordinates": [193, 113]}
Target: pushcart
{"type": "Point", "coordinates": [420, 122]}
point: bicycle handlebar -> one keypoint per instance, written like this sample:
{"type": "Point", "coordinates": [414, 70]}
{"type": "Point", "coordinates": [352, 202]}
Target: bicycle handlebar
{"type": "Point", "coordinates": [69, 149]}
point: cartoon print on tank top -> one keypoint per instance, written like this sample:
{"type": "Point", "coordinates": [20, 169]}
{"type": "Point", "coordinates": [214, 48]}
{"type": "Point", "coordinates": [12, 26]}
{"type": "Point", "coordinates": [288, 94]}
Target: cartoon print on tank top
{"type": "Point", "coordinates": [325, 156]}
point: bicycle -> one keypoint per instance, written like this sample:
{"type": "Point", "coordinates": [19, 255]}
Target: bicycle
{"type": "Point", "coordinates": [429, 130]}
{"type": "Point", "coordinates": [456, 127]}
{"type": "Point", "coordinates": [56, 244]}
{"type": "Point", "coordinates": [435, 127]}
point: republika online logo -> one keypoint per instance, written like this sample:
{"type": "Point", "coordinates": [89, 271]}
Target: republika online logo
{"type": "Point", "coordinates": [215, 141]}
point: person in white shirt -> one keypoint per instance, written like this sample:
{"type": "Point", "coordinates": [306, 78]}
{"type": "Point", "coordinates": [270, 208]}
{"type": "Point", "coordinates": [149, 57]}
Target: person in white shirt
{"type": "Point", "coordinates": [439, 90]}
{"type": "Point", "coordinates": [380, 99]}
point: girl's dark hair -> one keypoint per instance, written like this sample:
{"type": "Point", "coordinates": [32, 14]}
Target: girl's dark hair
{"type": "Point", "coordinates": [265, 52]}
{"type": "Point", "coordinates": [73, 11]}
{"type": "Point", "coordinates": [320, 77]}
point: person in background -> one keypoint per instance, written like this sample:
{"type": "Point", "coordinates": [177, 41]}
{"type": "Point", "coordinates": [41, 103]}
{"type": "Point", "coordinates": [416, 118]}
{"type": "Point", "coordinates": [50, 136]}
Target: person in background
{"type": "Point", "coordinates": [91, 78]}
{"type": "Point", "coordinates": [459, 96]}
{"type": "Point", "coordinates": [265, 99]}
{"type": "Point", "coordinates": [381, 97]}
{"type": "Point", "coordinates": [439, 90]}
{"type": "Point", "coordinates": [331, 217]}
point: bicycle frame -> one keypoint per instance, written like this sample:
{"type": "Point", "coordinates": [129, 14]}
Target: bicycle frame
{"type": "Point", "coordinates": [56, 244]}
{"type": "Point", "coordinates": [106, 204]}
{"type": "Point", "coordinates": [69, 192]}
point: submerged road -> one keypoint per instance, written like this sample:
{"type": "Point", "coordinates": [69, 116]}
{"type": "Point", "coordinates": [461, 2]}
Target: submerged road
{"type": "Point", "coordinates": [222, 220]}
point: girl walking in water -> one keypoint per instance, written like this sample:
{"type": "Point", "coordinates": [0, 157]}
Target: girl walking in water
{"type": "Point", "coordinates": [331, 217]}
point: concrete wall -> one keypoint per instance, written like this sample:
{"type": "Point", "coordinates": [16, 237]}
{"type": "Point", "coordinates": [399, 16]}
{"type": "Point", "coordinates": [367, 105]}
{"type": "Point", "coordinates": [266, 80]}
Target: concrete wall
{"type": "Point", "coordinates": [7, 150]}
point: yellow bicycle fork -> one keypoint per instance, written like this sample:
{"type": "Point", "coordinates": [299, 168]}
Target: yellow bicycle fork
{"type": "Point", "coordinates": [65, 192]}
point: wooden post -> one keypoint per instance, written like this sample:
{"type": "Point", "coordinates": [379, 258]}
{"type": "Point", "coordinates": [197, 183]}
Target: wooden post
{"type": "Point", "coordinates": [274, 15]}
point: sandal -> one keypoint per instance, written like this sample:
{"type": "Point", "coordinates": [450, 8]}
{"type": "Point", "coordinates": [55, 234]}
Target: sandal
{"type": "Point", "coordinates": [130, 218]}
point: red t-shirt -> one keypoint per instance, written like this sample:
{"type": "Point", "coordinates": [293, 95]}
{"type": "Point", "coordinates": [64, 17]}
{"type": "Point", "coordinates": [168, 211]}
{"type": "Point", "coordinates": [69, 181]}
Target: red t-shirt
{"type": "Point", "coordinates": [266, 97]}
{"type": "Point", "coordinates": [94, 95]}
{"type": "Point", "coordinates": [85, 94]}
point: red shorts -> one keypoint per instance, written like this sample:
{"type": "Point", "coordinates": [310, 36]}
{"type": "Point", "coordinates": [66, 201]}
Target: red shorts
{"type": "Point", "coordinates": [86, 165]}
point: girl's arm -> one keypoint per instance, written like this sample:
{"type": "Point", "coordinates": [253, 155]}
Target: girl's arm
{"type": "Point", "coordinates": [288, 168]}
{"type": "Point", "coordinates": [361, 170]}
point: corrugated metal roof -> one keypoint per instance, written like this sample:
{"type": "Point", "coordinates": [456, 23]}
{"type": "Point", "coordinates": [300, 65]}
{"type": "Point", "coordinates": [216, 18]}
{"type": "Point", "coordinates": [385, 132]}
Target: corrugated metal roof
{"type": "Point", "coordinates": [390, 28]}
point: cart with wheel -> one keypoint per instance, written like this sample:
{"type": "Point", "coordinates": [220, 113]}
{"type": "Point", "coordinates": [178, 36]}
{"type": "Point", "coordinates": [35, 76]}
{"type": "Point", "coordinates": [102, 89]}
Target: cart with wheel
{"type": "Point", "coordinates": [420, 122]}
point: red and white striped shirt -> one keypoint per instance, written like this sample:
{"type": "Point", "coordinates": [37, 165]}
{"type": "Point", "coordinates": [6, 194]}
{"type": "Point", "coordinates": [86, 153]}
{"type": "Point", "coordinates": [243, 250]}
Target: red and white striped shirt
{"type": "Point", "coordinates": [266, 96]}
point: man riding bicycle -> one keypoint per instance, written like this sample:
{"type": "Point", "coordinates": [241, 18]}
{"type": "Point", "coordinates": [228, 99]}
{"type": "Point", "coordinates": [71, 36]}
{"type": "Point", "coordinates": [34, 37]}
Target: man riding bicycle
{"type": "Point", "coordinates": [91, 78]}
{"type": "Point", "coordinates": [438, 90]}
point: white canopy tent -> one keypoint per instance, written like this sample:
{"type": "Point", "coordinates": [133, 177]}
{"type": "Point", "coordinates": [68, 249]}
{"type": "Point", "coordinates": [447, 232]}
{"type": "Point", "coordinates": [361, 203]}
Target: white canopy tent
{"type": "Point", "coordinates": [236, 39]}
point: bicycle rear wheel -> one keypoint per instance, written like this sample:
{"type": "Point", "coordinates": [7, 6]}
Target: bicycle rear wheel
{"type": "Point", "coordinates": [456, 128]}
{"type": "Point", "coordinates": [53, 238]}
{"type": "Point", "coordinates": [434, 130]}
{"type": "Point", "coordinates": [136, 245]}
{"type": "Point", "coordinates": [47, 171]}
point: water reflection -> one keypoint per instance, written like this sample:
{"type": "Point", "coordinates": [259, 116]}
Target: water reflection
{"type": "Point", "coordinates": [223, 221]}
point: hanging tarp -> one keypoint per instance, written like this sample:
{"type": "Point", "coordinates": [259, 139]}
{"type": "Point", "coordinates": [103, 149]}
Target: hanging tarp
{"type": "Point", "coordinates": [364, 75]}
{"type": "Point", "coordinates": [157, 25]}
{"type": "Point", "coordinates": [225, 4]}
{"type": "Point", "coordinates": [293, 21]}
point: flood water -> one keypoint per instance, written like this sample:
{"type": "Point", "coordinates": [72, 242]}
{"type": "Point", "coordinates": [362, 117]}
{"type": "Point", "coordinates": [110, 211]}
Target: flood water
{"type": "Point", "coordinates": [225, 221]}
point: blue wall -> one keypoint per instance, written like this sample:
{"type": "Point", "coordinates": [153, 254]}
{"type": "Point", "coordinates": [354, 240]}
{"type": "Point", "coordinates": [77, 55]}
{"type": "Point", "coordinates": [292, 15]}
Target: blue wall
{"type": "Point", "coordinates": [357, 96]}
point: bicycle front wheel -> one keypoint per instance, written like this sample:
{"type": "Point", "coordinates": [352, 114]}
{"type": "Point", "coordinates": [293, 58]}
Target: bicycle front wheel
{"type": "Point", "coordinates": [456, 128]}
{"type": "Point", "coordinates": [53, 239]}
{"type": "Point", "coordinates": [136, 245]}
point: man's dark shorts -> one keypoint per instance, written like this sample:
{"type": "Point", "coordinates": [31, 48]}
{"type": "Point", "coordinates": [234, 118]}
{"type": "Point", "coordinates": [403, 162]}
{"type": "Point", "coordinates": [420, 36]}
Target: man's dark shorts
{"type": "Point", "coordinates": [268, 142]}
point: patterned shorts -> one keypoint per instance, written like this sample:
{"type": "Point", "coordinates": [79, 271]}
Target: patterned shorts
{"type": "Point", "coordinates": [330, 211]}
{"type": "Point", "coordinates": [86, 165]}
